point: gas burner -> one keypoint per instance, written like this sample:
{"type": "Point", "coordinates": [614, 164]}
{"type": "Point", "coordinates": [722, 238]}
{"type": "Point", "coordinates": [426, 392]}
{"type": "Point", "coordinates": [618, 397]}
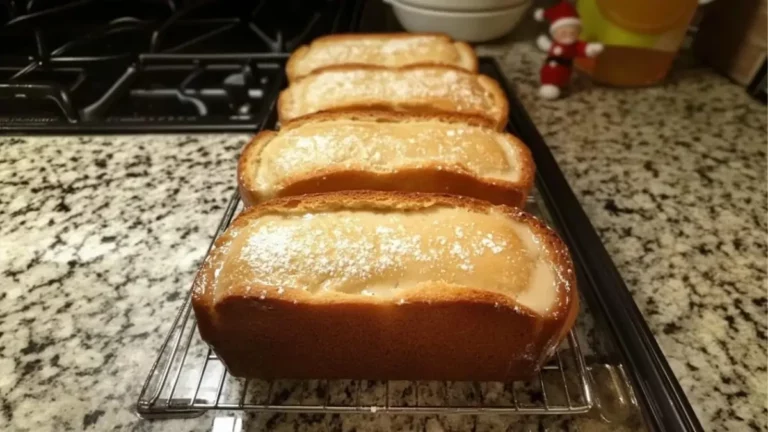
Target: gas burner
{"type": "Point", "coordinates": [305, 25]}
{"type": "Point", "coordinates": [57, 92]}
{"type": "Point", "coordinates": [186, 88]}
{"type": "Point", "coordinates": [117, 65]}
{"type": "Point", "coordinates": [237, 26]}
{"type": "Point", "coordinates": [96, 27]}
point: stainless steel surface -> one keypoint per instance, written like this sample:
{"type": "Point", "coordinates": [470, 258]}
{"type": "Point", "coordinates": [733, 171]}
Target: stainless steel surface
{"type": "Point", "coordinates": [188, 378]}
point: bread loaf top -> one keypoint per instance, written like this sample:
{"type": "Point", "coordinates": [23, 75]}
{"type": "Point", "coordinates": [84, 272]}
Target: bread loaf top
{"type": "Point", "coordinates": [424, 89]}
{"type": "Point", "coordinates": [380, 49]}
{"type": "Point", "coordinates": [390, 248]}
{"type": "Point", "coordinates": [380, 143]}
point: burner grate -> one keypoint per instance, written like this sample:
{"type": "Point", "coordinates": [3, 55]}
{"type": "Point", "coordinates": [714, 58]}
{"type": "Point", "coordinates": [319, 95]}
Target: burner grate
{"type": "Point", "coordinates": [164, 92]}
{"type": "Point", "coordinates": [218, 88]}
{"type": "Point", "coordinates": [151, 65]}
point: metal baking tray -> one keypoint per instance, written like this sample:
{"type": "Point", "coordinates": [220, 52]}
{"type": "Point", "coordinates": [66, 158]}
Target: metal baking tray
{"type": "Point", "coordinates": [611, 362]}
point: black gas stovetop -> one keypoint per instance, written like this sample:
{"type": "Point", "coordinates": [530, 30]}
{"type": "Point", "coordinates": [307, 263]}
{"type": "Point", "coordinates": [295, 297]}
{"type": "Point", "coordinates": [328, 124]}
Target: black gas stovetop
{"type": "Point", "coordinates": [152, 65]}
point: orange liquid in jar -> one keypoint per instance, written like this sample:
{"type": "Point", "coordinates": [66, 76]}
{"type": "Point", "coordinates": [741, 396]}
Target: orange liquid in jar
{"type": "Point", "coordinates": [641, 38]}
{"type": "Point", "coordinates": [627, 66]}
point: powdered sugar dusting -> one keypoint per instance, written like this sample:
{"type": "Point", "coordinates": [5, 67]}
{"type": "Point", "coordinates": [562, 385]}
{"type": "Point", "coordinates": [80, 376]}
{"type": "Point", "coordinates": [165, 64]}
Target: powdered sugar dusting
{"type": "Point", "coordinates": [379, 253]}
{"type": "Point", "coordinates": [390, 52]}
{"type": "Point", "coordinates": [383, 147]}
{"type": "Point", "coordinates": [440, 88]}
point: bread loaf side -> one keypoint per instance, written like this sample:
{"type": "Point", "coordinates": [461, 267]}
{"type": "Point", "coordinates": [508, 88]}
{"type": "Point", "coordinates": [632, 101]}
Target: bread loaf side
{"type": "Point", "coordinates": [330, 152]}
{"type": "Point", "coordinates": [380, 49]}
{"type": "Point", "coordinates": [385, 286]}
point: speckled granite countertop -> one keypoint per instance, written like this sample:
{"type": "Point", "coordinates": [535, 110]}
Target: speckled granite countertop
{"type": "Point", "coordinates": [101, 237]}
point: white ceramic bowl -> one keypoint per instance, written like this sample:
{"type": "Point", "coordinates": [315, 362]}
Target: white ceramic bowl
{"type": "Point", "coordinates": [464, 5]}
{"type": "Point", "coordinates": [464, 26]}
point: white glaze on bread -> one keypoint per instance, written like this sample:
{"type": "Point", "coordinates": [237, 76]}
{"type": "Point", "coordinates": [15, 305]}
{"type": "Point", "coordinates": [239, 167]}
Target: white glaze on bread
{"type": "Point", "coordinates": [386, 151]}
{"type": "Point", "coordinates": [303, 278]}
{"type": "Point", "coordinates": [421, 88]}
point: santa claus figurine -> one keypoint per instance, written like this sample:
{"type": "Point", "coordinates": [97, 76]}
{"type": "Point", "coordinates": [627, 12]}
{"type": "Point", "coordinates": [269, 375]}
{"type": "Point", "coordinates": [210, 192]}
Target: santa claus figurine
{"type": "Point", "coordinates": [564, 26]}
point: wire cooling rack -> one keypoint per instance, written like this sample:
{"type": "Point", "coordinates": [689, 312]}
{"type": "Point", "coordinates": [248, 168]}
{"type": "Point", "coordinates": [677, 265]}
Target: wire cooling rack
{"type": "Point", "coordinates": [188, 379]}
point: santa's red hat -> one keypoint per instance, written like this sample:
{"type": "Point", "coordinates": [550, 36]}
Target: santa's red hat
{"type": "Point", "coordinates": [559, 15]}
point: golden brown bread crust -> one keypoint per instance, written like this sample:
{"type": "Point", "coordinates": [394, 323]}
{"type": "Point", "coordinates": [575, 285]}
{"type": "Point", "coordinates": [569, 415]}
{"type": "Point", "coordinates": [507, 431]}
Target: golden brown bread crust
{"type": "Point", "coordinates": [388, 116]}
{"type": "Point", "coordinates": [434, 179]}
{"type": "Point", "coordinates": [286, 101]}
{"type": "Point", "coordinates": [469, 59]}
{"type": "Point", "coordinates": [436, 332]}
{"type": "Point", "coordinates": [295, 58]}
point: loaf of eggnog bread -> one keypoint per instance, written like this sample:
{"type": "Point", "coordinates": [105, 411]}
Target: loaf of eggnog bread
{"type": "Point", "coordinates": [384, 151]}
{"type": "Point", "coordinates": [380, 49]}
{"type": "Point", "coordinates": [419, 89]}
{"type": "Point", "coordinates": [375, 285]}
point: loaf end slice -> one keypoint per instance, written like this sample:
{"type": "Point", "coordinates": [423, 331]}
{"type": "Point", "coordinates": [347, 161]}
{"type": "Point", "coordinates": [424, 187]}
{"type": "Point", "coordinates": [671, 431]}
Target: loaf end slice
{"type": "Point", "coordinates": [366, 285]}
{"type": "Point", "coordinates": [380, 49]}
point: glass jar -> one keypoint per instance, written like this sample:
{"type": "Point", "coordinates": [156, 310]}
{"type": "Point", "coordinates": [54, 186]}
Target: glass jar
{"type": "Point", "coordinates": [641, 38]}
